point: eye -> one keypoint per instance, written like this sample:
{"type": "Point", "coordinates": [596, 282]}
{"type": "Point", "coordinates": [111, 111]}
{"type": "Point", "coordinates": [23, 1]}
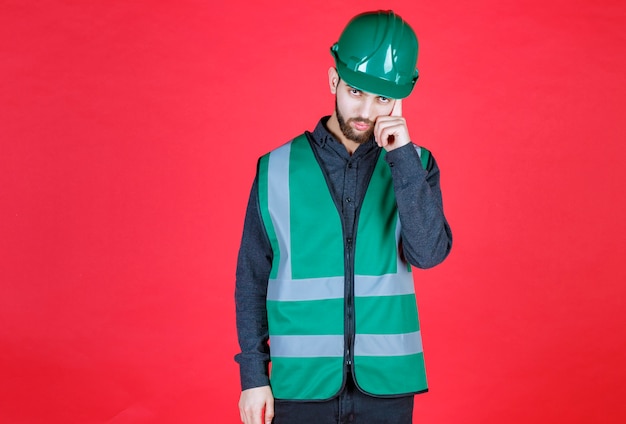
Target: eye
{"type": "Point", "coordinates": [383, 99]}
{"type": "Point", "coordinates": [355, 91]}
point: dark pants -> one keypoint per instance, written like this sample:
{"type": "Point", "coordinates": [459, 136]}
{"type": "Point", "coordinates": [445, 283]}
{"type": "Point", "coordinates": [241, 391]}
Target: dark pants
{"type": "Point", "coordinates": [351, 406]}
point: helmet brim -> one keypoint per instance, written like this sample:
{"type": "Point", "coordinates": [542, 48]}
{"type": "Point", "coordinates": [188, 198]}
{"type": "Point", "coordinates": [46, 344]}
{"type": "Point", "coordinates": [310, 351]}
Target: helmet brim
{"type": "Point", "coordinates": [369, 84]}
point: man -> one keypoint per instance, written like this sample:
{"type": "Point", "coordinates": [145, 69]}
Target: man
{"type": "Point", "coordinates": [334, 219]}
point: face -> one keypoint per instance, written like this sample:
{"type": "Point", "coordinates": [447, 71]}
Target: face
{"type": "Point", "coordinates": [357, 111]}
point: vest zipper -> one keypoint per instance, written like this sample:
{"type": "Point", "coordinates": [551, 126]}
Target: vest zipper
{"type": "Point", "coordinates": [349, 322]}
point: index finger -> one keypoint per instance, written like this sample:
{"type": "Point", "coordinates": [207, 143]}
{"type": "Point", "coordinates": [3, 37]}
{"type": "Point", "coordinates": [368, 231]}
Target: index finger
{"type": "Point", "coordinates": [397, 108]}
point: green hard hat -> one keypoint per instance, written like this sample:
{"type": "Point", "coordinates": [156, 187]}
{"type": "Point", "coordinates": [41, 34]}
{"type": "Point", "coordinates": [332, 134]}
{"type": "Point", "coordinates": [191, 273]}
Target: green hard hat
{"type": "Point", "coordinates": [377, 53]}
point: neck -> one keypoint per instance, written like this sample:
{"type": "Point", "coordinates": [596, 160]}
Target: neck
{"type": "Point", "coordinates": [333, 127]}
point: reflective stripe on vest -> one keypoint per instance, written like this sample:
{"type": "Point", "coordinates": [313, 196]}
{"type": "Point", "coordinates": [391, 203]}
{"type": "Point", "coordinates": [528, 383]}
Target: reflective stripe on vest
{"type": "Point", "coordinates": [305, 297]}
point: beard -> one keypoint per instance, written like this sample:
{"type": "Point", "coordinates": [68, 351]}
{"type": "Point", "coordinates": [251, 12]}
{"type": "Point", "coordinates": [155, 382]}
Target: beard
{"type": "Point", "coordinates": [349, 132]}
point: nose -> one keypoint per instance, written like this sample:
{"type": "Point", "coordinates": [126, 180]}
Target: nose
{"type": "Point", "coordinates": [366, 108]}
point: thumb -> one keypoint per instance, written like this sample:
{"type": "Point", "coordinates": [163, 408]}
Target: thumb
{"type": "Point", "coordinates": [397, 108]}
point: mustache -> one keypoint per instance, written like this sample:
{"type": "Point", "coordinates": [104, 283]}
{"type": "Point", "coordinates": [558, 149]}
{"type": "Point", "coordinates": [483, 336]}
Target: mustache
{"type": "Point", "coordinates": [360, 120]}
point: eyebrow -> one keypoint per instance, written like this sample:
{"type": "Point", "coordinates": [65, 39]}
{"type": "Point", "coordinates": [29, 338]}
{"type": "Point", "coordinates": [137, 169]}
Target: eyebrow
{"type": "Point", "coordinates": [376, 95]}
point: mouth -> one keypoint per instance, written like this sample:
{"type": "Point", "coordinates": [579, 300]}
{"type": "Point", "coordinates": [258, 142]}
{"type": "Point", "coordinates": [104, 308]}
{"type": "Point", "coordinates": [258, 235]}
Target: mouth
{"type": "Point", "coordinates": [360, 126]}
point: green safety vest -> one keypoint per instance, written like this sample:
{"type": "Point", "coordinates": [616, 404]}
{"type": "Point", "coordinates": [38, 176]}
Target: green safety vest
{"type": "Point", "coordinates": [307, 285]}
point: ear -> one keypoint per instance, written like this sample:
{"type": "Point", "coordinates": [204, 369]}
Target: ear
{"type": "Point", "coordinates": [333, 80]}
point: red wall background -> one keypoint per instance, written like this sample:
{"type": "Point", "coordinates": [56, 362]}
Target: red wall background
{"type": "Point", "coordinates": [129, 135]}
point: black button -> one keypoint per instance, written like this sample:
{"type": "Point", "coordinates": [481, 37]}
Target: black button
{"type": "Point", "coordinates": [348, 199]}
